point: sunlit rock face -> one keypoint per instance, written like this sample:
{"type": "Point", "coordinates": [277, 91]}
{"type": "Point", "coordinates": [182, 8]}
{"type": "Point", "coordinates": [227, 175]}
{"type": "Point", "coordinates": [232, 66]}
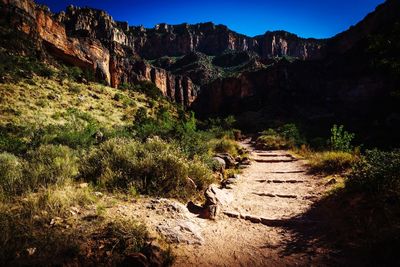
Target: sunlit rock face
{"type": "Point", "coordinates": [178, 40]}
{"type": "Point", "coordinates": [92, 40]}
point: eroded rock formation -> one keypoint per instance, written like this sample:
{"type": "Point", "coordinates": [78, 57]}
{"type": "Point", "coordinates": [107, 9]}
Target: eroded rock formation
{"type": "Point", "coordinates": [91, 39]}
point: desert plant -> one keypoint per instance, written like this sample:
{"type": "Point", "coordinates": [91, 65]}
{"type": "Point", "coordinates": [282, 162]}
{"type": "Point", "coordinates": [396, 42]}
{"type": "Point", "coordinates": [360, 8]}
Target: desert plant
{"type": "Point", "coordinates": [291, 133]}
{"type": "Point", "coordinates": [330, 162]}
{"type": "Point", "coordinates": [226, 145]}
{"type": "Point", "coordinates": [154, 167]}
{"type": "Point", "coordinates": [50, 164]}
{"type": "Point", "coordinates": [270, 140]}
{"type": "Point", "coordinates": [131, 235]}
{"type": "Point", "coordinates": [10, 174]}
{"type": "Point", "coordinates": [378, 172]}
{"type": "Point", "coordinates": [340, 139]}
{"type": "Point", "coordinates": [201, 174]}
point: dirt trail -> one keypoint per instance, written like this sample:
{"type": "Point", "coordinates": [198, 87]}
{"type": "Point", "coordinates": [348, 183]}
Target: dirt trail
{"type": "Point", "coordinates": [274, 189]}
{"type": "Point", "coordinates": [267, 205]}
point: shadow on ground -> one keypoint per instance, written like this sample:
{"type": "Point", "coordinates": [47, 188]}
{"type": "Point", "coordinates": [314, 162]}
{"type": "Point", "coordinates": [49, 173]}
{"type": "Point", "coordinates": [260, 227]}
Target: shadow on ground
{"type": "Point", "coordinates": [348, 229]}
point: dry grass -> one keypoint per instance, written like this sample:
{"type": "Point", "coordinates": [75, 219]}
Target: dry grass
{"type": "Point", "coordinates": [60, 225]}
{"type": "Point", "coordinates": [42, 101]}
{"type": "Point", "coordinates": [331, 162]}
{"type": "Point", "coordinates": [225, 145]}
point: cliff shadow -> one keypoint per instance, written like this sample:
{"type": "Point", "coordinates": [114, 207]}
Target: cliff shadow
{"type": "Point", "coordinates": [347, 229]}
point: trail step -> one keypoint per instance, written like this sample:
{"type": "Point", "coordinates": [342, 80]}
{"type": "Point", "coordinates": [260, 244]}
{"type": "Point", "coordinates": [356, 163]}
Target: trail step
{"type": "Point", "coordinates": [267, 221]}
{"type": "Point", "coordinates": [274, 155]}
{"type": "Point", "coordinates": [274, 160]}
{"type": "Point", "coordinates": [274, 195]}
{"type": "Point", "coordinates": [284, 172]}
{"type": "Point", "coordinates": [280, 181]}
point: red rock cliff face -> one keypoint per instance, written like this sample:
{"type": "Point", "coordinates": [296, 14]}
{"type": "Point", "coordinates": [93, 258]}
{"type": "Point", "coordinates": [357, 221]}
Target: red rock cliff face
{"type": "Point", "coordinates": [129, 70]}
{"type": "Point", "coordinates": [53, 35]}
{"type": "Point", "coordinates": [92, 40]}
{"type": "Point", "coordinates": [178, 40]}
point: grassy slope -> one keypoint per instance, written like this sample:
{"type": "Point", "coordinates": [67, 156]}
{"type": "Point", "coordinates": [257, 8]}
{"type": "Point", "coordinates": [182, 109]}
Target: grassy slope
{"type": "Point", "coordinates": [42, 101]}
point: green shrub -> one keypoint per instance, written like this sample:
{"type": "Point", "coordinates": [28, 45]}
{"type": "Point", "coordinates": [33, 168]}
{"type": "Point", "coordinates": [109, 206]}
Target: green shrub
{"type": "Point", "coordinates": [132, 236]}
{"type": "Point", "coordinates": [18, 67]}
{"type": "Point", "coordinates": [73, 73]}
{"type": "Point", "coordinates": [154, 167]}
{"type": "Point", "coordinates": [76, 89]}
{"type": "Point", "coordinates": [112, 163]}
{"type": "Point", "coordinates": [78, 132]}
{"type": "Point", "coordinates": [164, 173]}
{"type": "Point", "coordinates": [226, 145]}
{"type": "Point", "coordinates": [10, 174]}
{"type": "Point", "coordinates": [330, 162]}
{"type": "Point", "coordinates": [377, 172]}
{"type": "Point", "coordinates": [272, 142]}
{"type": "Point", "coordinates": [340, 139]}
{"type": "Point", "coordinates": [221, 128]}
{"type": "Point", "coordinates": [200, 174]}
{"type": "Point", "coordinates": [291, 133]}
{"type": "Point", "coordinates": [50, 164]}
{"type": "Point", "coordinates": [12, 143]}
{"type": "Point", "coordinates": [286, 136]}
{"type": "Point", "coordinates": [195, 144]}
{"type": "Point", "coordinates": [146, 87]}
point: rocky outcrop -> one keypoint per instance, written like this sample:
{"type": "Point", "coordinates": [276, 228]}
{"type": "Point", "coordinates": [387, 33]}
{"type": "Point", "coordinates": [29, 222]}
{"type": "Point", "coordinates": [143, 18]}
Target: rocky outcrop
{"type": "Point", "coordinates": [94, 24]}
{"type": "Point", "coordinates": [131, 70]}
{"type": "Point", "coordinates": [281, 43]}
{"type": "Point", "coordinates": [91, 39]}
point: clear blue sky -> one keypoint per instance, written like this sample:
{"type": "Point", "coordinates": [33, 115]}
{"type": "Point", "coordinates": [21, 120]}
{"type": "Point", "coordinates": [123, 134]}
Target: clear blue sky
{"type": "Point", "coordinates": [306, 18]}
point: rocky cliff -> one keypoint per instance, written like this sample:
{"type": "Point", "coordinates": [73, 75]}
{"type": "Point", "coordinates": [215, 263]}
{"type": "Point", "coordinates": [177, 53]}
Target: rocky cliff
{"type": "Point", "coordinates": [211, 39]}
{"type": "Point", "coordinates": [90, 39]}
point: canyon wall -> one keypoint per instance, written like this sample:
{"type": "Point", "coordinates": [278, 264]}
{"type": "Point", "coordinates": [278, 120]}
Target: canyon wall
{"type": "Point", "coordinates": [91, 40]}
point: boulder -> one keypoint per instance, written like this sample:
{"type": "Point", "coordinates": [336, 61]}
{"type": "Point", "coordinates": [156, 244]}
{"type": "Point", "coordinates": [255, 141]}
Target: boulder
{"type": "Point", "coordinates": [229, 160]}
{"type": "Point", "coordinates": [215, 198]}
{"type": "Point", "coordinates": [220, 164]}
{"type": "Point", "coordinates": [181, 231]}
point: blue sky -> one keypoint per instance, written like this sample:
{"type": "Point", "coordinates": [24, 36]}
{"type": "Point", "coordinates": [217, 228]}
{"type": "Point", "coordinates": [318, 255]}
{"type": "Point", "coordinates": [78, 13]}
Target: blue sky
{"type": "Point", "coordinates": [306, 18]}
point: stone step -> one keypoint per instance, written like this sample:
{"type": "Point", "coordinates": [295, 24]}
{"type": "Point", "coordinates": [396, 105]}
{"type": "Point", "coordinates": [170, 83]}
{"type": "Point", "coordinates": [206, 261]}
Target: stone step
{"type": "Point", "coordinates": [285, 172]}
{"type": "Point", "coordinates": [274, 155]}
{"type": "Point", "coordinates": [280, 181]}
{"type": "Point", "coordinates": [274, 195]}
{"type": "Point", "coordinates": [274, 160]}
{"type": "Point", "coordinates": [267, 221]}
